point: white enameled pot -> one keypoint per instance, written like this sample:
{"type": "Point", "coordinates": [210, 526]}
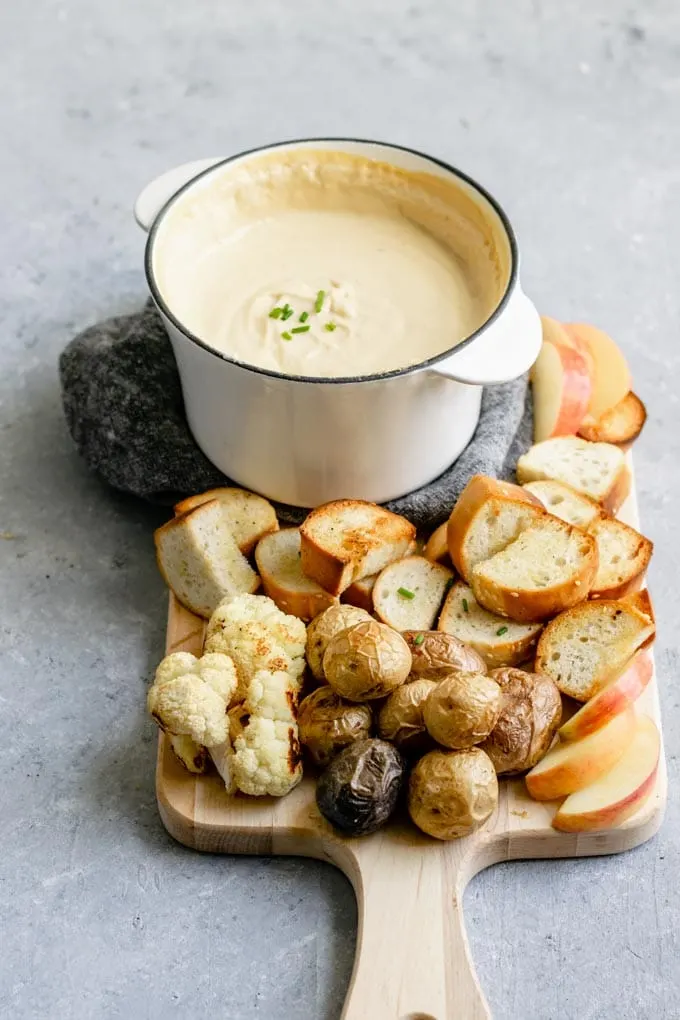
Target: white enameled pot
{"type": "Point", "coordinates": [305, 441]}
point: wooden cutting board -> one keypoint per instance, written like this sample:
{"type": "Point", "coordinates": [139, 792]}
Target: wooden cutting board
{"type": "Point", "coordinates": [412, 959]}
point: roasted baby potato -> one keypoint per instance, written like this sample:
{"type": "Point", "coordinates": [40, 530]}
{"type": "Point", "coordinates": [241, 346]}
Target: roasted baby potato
{"type": "Point", "coordinates": [436, 654]}
{"type": "Point", "coordinates": [324, 627]}
{"type": "Point", "coordinates": [366, 661]}
{"type": "Point", "coordinates": [452, 793]}
{"type": "Point", "coordinates": [327, 724]}
{"type": "Point", "coordinates": [401, 717]}
{"type": "Point", "coordinates": [531, 709]}
{"type": "Point", "coordinates": [359, 790]}
{"type": "Point", "coordinates": [462, 710]}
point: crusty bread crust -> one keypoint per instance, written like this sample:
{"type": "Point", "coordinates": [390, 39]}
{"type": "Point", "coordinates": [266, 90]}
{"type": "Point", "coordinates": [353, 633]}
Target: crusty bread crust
{"type": "Point", "coordinates": [536, 604]}
{"type": "Point", "coordinates": [638, 561]}
{"type": "Point", "coordinates": [620, 425]}
{"type": "Point", "coordinates": [238, 499]}
{"type": "Point", "coordinates": [334, 565]}
{"type": "Point", "coordinates": [360, 593]}
{"type": "Point", "coordinates": [437, 546]}
{"type": "Point", "coordinates": [477, 493]}
{"type": "Point", "coordinates": [304, 601]}
{"type": "Point", "coordinates": [642, 601]}
{"type": "Point", "coordinates": [494, 652]}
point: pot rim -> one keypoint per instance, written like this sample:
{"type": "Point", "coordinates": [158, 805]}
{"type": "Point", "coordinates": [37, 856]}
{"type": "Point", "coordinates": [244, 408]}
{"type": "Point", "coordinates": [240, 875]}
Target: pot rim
{"type": "Point", "coordinates": [164, 308]}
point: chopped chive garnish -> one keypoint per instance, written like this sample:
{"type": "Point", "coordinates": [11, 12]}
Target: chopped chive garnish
{"type": "Point", "coordinates": [418, 639]}
{"type": "Point", "coordinates": [449, 585]}
{"type": "Point", "coordinates": [330, 326]}
{"type": "Point", "coordinates": [501, 631]}
{"type": "Point", "coordinates": [286, 336]}
{"type": "Point", "coordinates": [286, 312]}
{"type": "Point", "coordinates": [275, 313]}
{"type": "Point", "coordinates": [466, 608]}
{"type": "Point", "coordinates": [301, 329]}
{"type": "Point", "coordinates": [304, 316]}
{"type": "Point", "coordinates": [406, 593]}
{"type": "Point", "coordinates": [318, 304]}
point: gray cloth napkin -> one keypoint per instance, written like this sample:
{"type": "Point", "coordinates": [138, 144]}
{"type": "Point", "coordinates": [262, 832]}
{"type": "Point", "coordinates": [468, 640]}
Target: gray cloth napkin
{"type": "Point", "coordinates": [123, 405]}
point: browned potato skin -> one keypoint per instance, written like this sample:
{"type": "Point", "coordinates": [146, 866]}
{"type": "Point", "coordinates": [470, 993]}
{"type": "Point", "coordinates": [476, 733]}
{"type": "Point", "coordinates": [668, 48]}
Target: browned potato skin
{"type": "Point", "coordinates": [462, 710]}
{"type": "Point", "coordinates": [324, 627]}
{"type": "Point", "coordinates": [401, 717]}
{"type": "Point", "coordinates": [531, 712]}
{"type": "Point", "coordinates": [367, 661]}
{"type": "Point", "coordinates": [438, 654]}
{"type": "Point", "coordinates": [327, 724]}
{"type": "Point", "coordinates": [452, 793]}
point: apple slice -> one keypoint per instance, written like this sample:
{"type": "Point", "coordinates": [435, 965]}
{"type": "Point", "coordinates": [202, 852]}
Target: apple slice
{"type": "Point", "coordinates": [562, 391]}
{"type": "Point", "coordinates": [611, 380]}
{"type": "Point", "coordinates": [611, 700]}
{"type": "Point", "coordinates": [570, 767]}
{"type": "Point", "coordinates": [619, 793]}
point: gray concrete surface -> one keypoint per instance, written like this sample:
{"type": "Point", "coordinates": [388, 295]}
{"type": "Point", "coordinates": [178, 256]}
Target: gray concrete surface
{"type": "Point", "coordinates": [569, 113]}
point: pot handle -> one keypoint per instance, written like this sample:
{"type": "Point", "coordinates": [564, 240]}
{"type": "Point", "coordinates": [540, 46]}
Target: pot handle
{"type": "Point", "coordinates": [159, 191]}
{"type": "Point", "coordinates": [507, 349]}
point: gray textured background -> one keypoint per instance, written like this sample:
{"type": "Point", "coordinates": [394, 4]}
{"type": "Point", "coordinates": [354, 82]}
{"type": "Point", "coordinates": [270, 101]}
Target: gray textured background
{"type": "Point", "coordinates": [570, 114]}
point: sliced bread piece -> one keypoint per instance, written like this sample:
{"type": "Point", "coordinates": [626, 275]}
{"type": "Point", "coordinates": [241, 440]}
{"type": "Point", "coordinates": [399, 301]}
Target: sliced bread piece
{"type": "Point", "coordinates": [360, 593]}
{"type": "Point", "coordinates": [437, 546]}
{"type": "Point", "coordinates": [408, 594]}
{"type": "Point", "coordinates": [488, 516]}
{"type": "Point", "coordinates": [621, 424]}
{"type": "Point", "coordinates": [591, 644]}
{"type": "Point", "coordinates": [250, 516]}
{"type": "Point", "coordinates": [597, 470]}
{"type": "Point", "coordinates": [562, 501]}
{"type": "Point", "coordinates": [278, 560]}
{"type": "Point", "coordinates": [349, 539]}
{"type": "Point", "coordinates": [641, 600]}
{"type": "Point", "coordinates": [500, 642]}
{"type": "Point", "coordinates": [547, 569]}
{"type": "Point", "coordinates": [623, 554]}
{"type": "Point", "coordinates": [200, 560]}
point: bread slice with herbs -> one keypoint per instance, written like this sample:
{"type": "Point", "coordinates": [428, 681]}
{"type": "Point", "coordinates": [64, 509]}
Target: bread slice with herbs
{"type": "Point", "coordinates": [586, 647]}
{"type": "Point", "coordinates": [348, 539]}
{"type": "Point", "coordinates": [278, 560]}
{"type": "Point", "coordinates": [408, 594]}
{"type": "Point", "coordinates": [250, 516]}
{"type": "Point", "coordinates": [562, 501]}
{"type": "Point", "coordinates": [488, 515]}
{"type": "Point", "coordinates": [200, 560]}
{"type": "Point", "coordinates": [598, 470]}
{"type": "Point", "coordinates": [547, 569]}
{"type": "Point", "coordinates": [500, 642]}
{"type": "Point", "coordinates": [624, 556]}
{"type": "Point", "coordinates": [621, 424]}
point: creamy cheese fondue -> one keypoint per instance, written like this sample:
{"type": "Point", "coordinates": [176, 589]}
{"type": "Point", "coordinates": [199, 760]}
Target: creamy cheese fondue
{"type": "Point", "coordinates": [326, 264]}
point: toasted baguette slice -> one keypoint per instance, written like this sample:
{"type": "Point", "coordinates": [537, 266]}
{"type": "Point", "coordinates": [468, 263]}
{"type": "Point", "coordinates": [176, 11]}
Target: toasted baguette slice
{"type": "Point", "coordinates": [620, 425]}
{"type": "Point", "coordinates": [200, 560]}
{"type": "Point", "coordinates": [641, 600]}
{"type": "Point", "coordinates": [548, 569]}
{"type": "Point", "coordinates": [360, 593]}
{"type": "Point", "coordinates": [500, 642]}
{"type": "Point", "coordinates": [408, 594]}
{"type": "Point", "coordinates": [349, 539]}
{"type": "Point", "coordinates": [278, 560]}
{"type": "Point", "coordinates": [250, 516]}
{"type": "Point", "coordinates": [437, 546]}
{"type": "Point", "coordinates": [590, 645]}
{"type": "Point", "coordinates": [562, 501]}
{"type": "Point", "coordinates": [488, 516]}
{"type": "Point", "coordinates": [596, 469]}
{"type": "Point", "coordinates": [623, 554]}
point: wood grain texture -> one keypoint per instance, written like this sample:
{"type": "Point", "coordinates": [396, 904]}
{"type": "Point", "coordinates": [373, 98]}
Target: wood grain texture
{"type": "Point", "coordinates": [412, 960]}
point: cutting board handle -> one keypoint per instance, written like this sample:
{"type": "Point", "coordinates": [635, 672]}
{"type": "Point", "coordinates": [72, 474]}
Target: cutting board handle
{"type": "Point", "coordinates": [412, 959]}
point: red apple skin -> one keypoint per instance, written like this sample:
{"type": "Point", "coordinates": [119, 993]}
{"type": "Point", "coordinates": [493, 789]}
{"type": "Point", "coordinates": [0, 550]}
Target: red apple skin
{"type": "Point", "coordinates": [562, 390]}
{"type": "Point", "coordinates": [611, 816]}
{"type": "Point", "coordinates": [614, 698]}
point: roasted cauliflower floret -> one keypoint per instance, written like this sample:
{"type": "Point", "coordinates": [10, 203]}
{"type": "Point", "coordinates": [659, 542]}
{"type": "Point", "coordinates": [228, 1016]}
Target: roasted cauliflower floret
{"type": "Point", "coordinates": [189, 701]}
{"type": "Point", "coordinates": [267, 758]}
{"type": "Point", "coordinates": [258, 636]}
